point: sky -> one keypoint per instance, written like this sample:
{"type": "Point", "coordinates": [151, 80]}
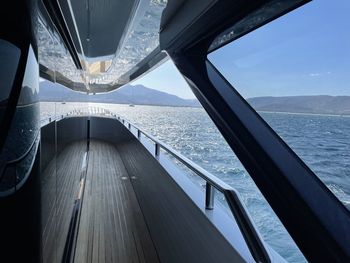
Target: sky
{"type": "Point", "coordinates": [306, 52]}
{"type": "Point", "coordinates": [166, 78]}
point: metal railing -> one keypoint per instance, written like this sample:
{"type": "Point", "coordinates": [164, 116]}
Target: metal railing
{"type": "Point", "coordinates": [84, 111]}
{"type": "Point", "coordinates": [213, 183]}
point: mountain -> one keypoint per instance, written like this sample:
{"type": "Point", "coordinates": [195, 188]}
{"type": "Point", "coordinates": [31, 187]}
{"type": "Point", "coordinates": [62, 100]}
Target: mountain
{"type": "Point", "coordinates": [128, 94]}
{"type": "Point", "coordinates": [320, 104]}
{"type": "Point", "coordinates": [141, 95]}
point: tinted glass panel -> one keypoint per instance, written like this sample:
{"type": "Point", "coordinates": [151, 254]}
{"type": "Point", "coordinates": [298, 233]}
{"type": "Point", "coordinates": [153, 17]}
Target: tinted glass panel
{"type": "Point", "coordinates": [295, 72]}
{"type": "Point", "coordinates": [9, 57]}
{"type": "Point", "coordinates": [18, 152]}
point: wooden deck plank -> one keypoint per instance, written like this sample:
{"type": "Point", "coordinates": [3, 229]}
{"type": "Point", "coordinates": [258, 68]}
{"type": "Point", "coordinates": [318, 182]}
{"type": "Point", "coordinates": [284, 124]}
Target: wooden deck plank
{"type": "Point", "coordinates": [69, 169]}
{"type": "Point", "coordinates": [60, 186]}
{"type": "Point", "coordinates": [112, 228]}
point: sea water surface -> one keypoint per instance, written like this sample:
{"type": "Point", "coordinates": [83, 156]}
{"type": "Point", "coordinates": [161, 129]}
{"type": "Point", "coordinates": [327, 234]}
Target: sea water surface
{"type": "Point", "coordinates": [323, 142]}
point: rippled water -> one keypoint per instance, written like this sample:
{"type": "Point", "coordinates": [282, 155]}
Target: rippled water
{"type": "Point", "coordinates": [323, 142]}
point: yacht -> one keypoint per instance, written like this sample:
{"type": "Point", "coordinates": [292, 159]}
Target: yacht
{"type": "Point", "coordinates": [92, 186]}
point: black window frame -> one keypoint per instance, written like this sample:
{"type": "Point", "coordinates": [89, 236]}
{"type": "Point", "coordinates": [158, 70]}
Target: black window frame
{"type": "Point", "coordinates": [317, 221]}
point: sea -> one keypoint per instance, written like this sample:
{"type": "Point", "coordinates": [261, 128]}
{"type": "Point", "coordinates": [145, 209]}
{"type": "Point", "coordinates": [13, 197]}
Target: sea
{"type": "Point", "coordinates": [322, 142]}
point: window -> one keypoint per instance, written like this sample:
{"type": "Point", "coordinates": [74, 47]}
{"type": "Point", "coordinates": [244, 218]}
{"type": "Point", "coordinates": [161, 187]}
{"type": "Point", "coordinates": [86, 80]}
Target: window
{"type": "Point", "coordinates": [294, 72]}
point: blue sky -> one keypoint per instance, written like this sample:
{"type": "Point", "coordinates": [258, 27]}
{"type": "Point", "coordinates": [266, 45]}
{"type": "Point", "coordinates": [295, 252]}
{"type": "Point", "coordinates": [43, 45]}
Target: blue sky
{"type": "Point", "coordinates": [168, 79]}
{"type": "Point", "coordinates": [306, 52]}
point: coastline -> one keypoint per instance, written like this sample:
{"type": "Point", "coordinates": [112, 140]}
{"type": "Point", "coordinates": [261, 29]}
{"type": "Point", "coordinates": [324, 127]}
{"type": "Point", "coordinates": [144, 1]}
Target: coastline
{"type": "Point", "coordinates": [199, 107]}
{"type": "Point", "coordinates": [305, 113]}
{"type": "Point", "coordinates": [126, 104]}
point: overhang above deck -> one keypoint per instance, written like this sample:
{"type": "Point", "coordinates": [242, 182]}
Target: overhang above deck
{"type": "Point", "coordinates": [93, 46]}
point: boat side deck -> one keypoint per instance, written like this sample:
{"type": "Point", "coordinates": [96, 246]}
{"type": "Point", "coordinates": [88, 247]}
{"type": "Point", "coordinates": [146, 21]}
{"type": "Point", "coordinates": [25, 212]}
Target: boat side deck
{"type": "Point", "coordinates": [131, 210]}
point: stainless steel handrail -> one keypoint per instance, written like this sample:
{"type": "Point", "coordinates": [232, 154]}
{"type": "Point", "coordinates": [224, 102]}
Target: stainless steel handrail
{"type": "Point", "coordinates": [237, 208]}
{"type": "Point", "coordinates": [82, 111]}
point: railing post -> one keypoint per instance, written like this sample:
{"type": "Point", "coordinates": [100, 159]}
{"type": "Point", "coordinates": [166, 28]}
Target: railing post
{"type": "Point", "coordinates": [49, 119]}
{"type": "Point", "coordinates": [157, 150]}
{"type": "Point", "coordinates": [123, 121]}
{"type": "Point", "coordinates": [129, 126]}
{"type": "Point", "coordinates": [209, 196]}
{"type": "Point", "coordinates": [138, 134]}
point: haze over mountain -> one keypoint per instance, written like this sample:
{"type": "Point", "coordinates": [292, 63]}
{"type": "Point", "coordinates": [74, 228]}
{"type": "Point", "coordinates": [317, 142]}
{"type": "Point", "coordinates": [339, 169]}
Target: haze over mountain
{"type": "Point", "coordinates": [128, 94]}
{"type": "Point", "coordinates": [318, 104]}
{"type": "Point", "coordinates": [141, 95]}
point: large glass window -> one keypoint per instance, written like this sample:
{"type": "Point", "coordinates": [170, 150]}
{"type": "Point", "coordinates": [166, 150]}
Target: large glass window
{"type": "Point", "coordinates": [295, 72]}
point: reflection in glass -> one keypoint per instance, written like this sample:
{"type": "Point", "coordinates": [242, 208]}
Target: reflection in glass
{"type": "Point", "coordinates": [19, 151]}
{"type": "Point", "coordinates": [141, 37]}
{"type": "Point", "coordinates": [9, 57]}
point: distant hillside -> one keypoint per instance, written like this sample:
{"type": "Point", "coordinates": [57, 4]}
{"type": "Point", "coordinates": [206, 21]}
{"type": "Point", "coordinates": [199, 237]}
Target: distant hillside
{"type": "Point", "coordinates": [128, 94]}
{"type": "Point", "coordinates": [323, 104]}
{"type": "Point", "coordinates": [141, 95]}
